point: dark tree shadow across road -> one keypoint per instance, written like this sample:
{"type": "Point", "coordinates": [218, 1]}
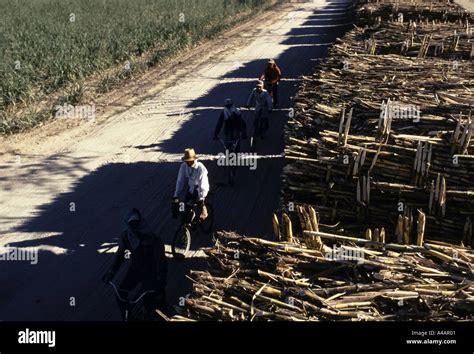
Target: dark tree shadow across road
{"type": "Point", "coordinates": [73, 252]}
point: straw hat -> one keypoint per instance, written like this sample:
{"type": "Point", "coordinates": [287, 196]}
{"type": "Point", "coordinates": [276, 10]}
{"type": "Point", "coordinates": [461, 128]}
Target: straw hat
{"type": "Point", "coordinates": [259, 83]}
{"type": "Point", "coordinates": [189, 155]}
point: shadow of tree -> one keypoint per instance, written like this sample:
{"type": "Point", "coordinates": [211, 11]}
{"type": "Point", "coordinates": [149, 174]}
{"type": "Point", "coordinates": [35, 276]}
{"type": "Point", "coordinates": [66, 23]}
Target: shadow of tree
{"type": "Point", "coordinates": [76, 237]}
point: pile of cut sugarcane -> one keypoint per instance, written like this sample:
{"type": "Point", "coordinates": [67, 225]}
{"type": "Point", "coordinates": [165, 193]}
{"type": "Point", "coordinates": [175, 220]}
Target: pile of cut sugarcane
{"type": "Point", "coordinates": [372, 12]}
{"type": "Point", "coordinates": [382, 130]}
{"type": "Point", "coordinates": [251, 279]}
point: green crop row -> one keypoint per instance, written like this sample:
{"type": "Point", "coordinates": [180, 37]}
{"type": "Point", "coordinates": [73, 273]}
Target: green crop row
{"type": "Point", "coordinates": [46, 45]}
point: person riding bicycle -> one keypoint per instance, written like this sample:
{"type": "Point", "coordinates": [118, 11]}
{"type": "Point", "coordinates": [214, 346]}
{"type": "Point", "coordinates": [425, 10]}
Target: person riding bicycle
{"type": "Point", "coordinates": [234, 125]}
{"type": "Point", "coordinates": [272, 76]}
{"type": "Point", "coordinates": [148, 267]}
{"type": "Point", "coordinates": [192, 182]}
{"type": "Point", "coordinates": [263, 106]}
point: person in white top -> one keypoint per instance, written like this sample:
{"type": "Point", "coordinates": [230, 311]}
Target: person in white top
{"type": "Point", "coordinates": [193, 181]}
{"type": "Point", "coordinates": [263, 107]}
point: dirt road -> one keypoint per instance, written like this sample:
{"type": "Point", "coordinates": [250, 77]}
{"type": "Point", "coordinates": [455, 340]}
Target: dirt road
{"type": "Point", "coordinates": [467, 4]}
{"type": "Point", "coordinates": [68, 200]}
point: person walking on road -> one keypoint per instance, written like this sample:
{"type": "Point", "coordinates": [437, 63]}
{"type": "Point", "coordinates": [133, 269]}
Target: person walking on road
{"type": "Point", "coordinates": [263, 107]}
{"type": "Point", "coordinates": [148, 267]}
{"type": "Point", "coordinates": [192, 182]}
{"type": "Point", "coordinates": [271, 78]}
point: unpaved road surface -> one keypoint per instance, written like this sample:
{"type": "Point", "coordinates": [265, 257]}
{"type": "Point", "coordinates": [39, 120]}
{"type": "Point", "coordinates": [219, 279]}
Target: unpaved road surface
{"type": "Point", "coordinates": [467, 4]}
{"type": "Point", "coordinates": [68, 200]}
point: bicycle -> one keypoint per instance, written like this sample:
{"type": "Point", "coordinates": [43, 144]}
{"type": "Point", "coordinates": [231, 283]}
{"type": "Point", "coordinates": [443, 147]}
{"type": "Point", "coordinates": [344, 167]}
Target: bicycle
{"type": "Point", "coordinates": [181, 243]}
{"type": "Point", "coordinates": [260, 127]}
{"type": "Point", "coordinates": [272, 88]}
{"type": "Point", "coordinates": [130, 305]}
{"type": "Point", "coordinates": [231, 147]}
{"type": "Point", "coordinates": [268, 85]}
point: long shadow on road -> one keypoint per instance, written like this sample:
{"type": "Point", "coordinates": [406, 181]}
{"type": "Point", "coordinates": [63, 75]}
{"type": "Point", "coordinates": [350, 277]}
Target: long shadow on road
{"type": "Point", "coordinates": [75, 249]}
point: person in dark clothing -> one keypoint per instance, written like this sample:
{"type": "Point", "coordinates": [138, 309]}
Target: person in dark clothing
{"type": "Point", "coordinates": [263, 107]}
{"type": "Point", "coordinates": [148, 267]}
{"type": "Point", "coordinates": [232, 121]}
{"type": "Point", "coordinates": [271, 77]}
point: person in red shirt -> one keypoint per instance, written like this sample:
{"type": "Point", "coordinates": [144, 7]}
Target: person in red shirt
{"type": "Point", "coordinates": [271, 77]}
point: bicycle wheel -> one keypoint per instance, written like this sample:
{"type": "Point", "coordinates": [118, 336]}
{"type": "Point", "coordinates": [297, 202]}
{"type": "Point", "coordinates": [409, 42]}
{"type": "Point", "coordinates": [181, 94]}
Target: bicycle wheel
{"type": "Point", "coordinates": [181, 242]}
{"type": "Point", "coordinates": [207, 225]}
{"type": "Point", "coordinates": [137, 312]}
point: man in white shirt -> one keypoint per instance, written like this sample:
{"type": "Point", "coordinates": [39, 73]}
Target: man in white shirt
{"type": "Point", "coordinates": [193, 181]}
